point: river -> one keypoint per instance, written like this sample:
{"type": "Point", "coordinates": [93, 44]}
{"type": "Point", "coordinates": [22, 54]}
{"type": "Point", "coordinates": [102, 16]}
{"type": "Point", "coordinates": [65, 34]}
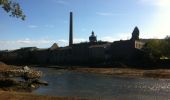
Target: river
{"type": "Point", "coordinates": [105, 87]}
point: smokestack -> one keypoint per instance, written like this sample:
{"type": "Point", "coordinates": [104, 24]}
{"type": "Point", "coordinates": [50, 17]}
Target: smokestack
{"type": "Point", "coordinates": [71, 29]}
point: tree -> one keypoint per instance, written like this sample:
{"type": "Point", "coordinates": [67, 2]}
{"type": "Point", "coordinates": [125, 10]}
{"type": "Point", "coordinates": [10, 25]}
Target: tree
{"type": "Point", "coordinates": [158, 48]}
{"type": "Point", "coordinates": [154, 48]}
{"type": "Point", "coordinates": [167, 46]}
{"type": "Point", "coordinates": [13, 8]}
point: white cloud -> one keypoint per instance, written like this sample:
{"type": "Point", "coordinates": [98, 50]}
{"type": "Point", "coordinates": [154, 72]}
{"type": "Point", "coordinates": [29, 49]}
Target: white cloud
{"type": "Point", "coordinates": [108, 38]}
{"type": "Point", "coordinates": [119, 36]}
{"type": "Point", "coordinates": [25, 41]}
{"type": "Point", "coordinates": [110, 13]}
{"type": "Point", "coordinates": [33, 26]}
{"type": "Point", "coordinates": [62, 42]}
{"type": "Point", "coordinates": [15, 44]}
{"type": "Point", "coordinates": [41, 43]}
{"type": "Point", "coordinates": [124, 36]}
{"type": "Point", "coordinates": [36, 26]}
{"type": "Point", "coordinates": [79, 40]}
{"type": "Point", "coordinates": [34, 42]}
{"type": "Point", "coordinates": [104, 13]}
{"type": "Point", "coordinates": [63, 2]}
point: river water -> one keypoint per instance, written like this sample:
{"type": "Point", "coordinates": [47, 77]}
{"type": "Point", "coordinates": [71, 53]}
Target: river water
{"type": "Point", "coordinates": [103, 87]}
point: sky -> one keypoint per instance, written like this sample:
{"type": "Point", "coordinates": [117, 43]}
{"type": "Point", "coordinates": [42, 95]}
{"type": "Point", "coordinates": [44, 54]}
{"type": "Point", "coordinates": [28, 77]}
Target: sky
{"type": "Point", "coordinates": [47, 21]}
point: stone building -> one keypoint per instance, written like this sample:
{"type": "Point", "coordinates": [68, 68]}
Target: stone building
{"type": "Point", "coordinates": [94, 51]}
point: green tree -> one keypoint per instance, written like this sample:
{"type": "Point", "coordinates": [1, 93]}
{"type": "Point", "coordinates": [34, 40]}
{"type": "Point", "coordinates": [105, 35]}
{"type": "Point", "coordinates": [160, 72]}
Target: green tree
{"type": "Point", "coordinates": [154, 48]}
{"type": "Point", "coordinates": [158, 48]}
{"type": "Point", "coordinates": [166, 49]}
{"type": "Point", "coordinates": [12, 7]}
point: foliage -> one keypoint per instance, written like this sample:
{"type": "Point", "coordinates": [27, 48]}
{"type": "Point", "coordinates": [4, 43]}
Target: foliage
{"type": "Point", "coordinates": [13, 8]}
{"type": "Point", "coordinates": [158, 48]}
{"type": "Point", "coordinates": [153, 48]}
{"type": "Point", "coordinates": [167, 46]}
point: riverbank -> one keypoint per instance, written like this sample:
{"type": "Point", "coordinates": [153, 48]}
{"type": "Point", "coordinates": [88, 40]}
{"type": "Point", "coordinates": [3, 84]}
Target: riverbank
{"type": "Point", "coordinates": [123, 71]}
{"type": "Point", "coordinates": [4, 95]}
{"type": "Point", "coordinates": [127, 72]}
{"type": "Point", "coordinates": [17, 79]}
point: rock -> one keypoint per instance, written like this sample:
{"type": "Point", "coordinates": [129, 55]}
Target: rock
{"type": "Point", "coordinates": [26, 68]}
{"type": "Point", "coordinates": [32, 86]}
{"type": "Point", "coordinates": [19, 78]}
{"type": "Point", "coordinates": [40, 82]}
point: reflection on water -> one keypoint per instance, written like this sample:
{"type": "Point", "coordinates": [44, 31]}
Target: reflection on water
{"type": "Point", "coordinates": [69, 83]}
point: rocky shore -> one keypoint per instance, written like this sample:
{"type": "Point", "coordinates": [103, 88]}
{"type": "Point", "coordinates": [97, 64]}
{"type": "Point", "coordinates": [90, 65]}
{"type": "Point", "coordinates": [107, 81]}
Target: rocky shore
{"type": "Point", "coordinates": [17, 83]}
{"type": "Point", "coordinates": [19, 78]}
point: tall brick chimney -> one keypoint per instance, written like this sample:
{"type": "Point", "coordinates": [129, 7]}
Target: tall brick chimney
{"type": "Point", "coordinates": [71, 29]}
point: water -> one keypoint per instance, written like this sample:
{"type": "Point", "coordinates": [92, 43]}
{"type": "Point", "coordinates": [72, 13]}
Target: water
{"type": "Point", "coordinates": [70, 83]}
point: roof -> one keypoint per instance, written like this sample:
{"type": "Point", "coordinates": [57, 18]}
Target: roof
{"type": "Point", "coordinates": [54, 46]}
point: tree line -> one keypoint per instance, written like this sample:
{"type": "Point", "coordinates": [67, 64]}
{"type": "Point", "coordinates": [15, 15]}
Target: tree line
{"type": "Point", "coordinates": [158, 48]}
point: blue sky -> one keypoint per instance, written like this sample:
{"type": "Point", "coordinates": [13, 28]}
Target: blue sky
{"type": "Point", "coordinates": [47, 21]}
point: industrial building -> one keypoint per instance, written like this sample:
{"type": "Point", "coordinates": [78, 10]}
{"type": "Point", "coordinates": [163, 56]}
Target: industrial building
{"type": "Point", "coordinates": [92, 52]}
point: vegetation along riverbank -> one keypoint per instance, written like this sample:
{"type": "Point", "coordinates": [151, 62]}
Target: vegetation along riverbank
{"type": "Point", "coordinates": [127, 72]}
